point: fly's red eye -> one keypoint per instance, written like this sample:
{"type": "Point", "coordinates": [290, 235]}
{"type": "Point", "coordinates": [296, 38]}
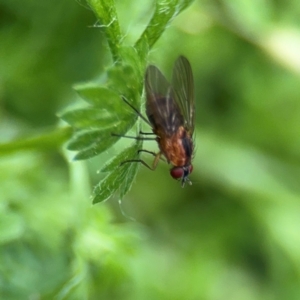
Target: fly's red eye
{"type": "Point", "coordinates": [177, 173]}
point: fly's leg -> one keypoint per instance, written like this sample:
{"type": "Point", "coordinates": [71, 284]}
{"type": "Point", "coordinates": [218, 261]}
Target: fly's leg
{"type": "Point", "coordinates": [136, 161]}
{"type": "Point", "coordinates": [147, 133]}
{"type": "Point", "coordinates": [141, 132]}
{"type": "Point", "coordinates": [150, 152]}
{"type": "Point", "coordinates": [147, 151]}
{"type": "Point", "coordinates": [137, 112]}
{"type": "Point", "coordinates": [143, 118]}
{"type": "Point", "coordinates": [156, 160]}
{"type": "Point", "coordinates": [139, 138]}
{"type": "Point", "coordinates": [154, 165]}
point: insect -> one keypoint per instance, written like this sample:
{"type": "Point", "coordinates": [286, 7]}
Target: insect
{"type": "Point", "coordinates": [170, 109]}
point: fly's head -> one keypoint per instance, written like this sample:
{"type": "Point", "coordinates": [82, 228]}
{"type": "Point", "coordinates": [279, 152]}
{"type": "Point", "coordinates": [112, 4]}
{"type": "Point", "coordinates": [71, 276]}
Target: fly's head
{"type": "Point", "coordinates": [182, 173]}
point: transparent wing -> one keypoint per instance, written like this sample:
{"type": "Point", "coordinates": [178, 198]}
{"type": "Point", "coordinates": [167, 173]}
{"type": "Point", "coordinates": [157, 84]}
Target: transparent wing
{"type": "Point", "coordinates": [162, 110]}
{"type": "Point", "coordinates": [183, 84]}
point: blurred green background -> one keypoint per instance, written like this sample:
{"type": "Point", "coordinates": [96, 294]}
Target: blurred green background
{"type": "Point", "coordinates": [233, 234]}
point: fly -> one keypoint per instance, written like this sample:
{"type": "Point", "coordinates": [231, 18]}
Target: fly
{"type": "Point", "coordinates": [170, 108]}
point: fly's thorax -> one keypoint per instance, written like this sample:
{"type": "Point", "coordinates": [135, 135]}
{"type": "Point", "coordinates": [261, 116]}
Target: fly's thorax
{"type": "Point", "coordinates": [163, 113]}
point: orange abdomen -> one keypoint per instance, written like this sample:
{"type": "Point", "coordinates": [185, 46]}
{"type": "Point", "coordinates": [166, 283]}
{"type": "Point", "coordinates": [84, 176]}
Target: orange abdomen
{"type": "Point", "coordinates": [178, 148]}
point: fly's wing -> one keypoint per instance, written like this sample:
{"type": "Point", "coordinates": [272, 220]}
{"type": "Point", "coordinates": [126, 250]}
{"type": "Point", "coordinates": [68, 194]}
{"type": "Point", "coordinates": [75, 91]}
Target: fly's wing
{"type": "Point", "coordinates": [162, 110]}
{"type": "Point", "coordinates": [183, 84]}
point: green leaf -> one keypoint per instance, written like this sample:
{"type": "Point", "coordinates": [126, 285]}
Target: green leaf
{"type": "Point", "coordinates": [127, 183]}
{"type": "Point", "coordinates": [96, 148]}
{"type": "Point", "coordinates": [129, 153]}
{"type": "Point", "coordinates": [107, 15]}
{"type": "Point", "coordinates": [131, 57]}
{"type": "Point", "coordinates": [99, 96]}
{"type": "Point", "coordinates": [93, 142]}
{"type": "Point", "coordinates": [121, 176]}
{"type": "Point", "coordinates": [110, 184]}
{"type": "Point", "coordinates": [142, 49]}
{"type": "Point", "coordinates": [123, 80]}
{"type": "Point", "coordinates": [90, 117]}
{"type": "Point", "coordinates": [84, 139]}
{"type": "Point", "coordinates": [165, 11]}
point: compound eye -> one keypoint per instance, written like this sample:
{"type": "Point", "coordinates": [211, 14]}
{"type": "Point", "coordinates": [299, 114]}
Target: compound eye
{"type": "Point", "coordinates": [177, 173]}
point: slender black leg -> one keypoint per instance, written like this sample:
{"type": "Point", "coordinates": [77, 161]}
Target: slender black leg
{"type": "Point", "coordinates": [137, 161]}
{"type": "Point", "coordinates": [147, 133]}
{"type": "Point", "coordinates": [139, 114]}
{"type": "Point", "coordinates": [139, 138]}
{"type": "Point", "coordinates": [157, 157]}
{"type": "Point", "coordinates": [147, 151]}
{"type": "Point", "coordinates": [144, 119]}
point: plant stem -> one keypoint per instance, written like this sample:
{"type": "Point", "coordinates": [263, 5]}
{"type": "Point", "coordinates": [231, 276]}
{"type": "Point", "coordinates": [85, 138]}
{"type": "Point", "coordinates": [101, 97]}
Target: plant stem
{"type": "Point", "coordinates": [105, 11]}
{"type": "Point", "coordinates": [47, 141]}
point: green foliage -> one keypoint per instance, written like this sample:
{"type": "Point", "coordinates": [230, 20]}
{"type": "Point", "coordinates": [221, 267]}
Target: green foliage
{"type": "Point", "coordinates": [107, 16]}
{"type": "Point", "coordinates": [107, 113]}
{"type": "Point", "coordinates": [54, 244]}
{"type": "Point", "coordinates": [120, 176]}
{"type": "Point", "coordinates": [164, 12]}
{"type": "Point", "coordinates": [233, 234]}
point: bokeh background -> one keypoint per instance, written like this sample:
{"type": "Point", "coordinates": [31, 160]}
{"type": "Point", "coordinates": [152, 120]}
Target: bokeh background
{"type": "Point", "coordinates": [233, 234]}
